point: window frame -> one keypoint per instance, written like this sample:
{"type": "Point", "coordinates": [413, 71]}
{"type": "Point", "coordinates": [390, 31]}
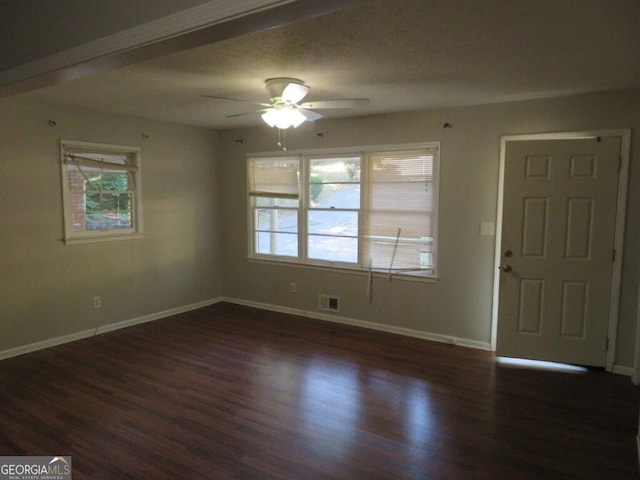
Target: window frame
{"type": "Point", "coordinates": [305, 174]}
{"type": "Point", "coordinates": [72, 236]}
{"type": "Point", "coordinates": [398, 240]}
{"type": "Point", "coordinates": [304, 161]}
{"type": "Point", "coordinates": [252, 209]}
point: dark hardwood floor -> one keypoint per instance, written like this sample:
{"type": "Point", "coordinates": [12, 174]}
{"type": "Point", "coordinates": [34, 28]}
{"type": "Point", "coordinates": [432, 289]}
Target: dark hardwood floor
{"type": "Point", "coordinates": [231, 392]}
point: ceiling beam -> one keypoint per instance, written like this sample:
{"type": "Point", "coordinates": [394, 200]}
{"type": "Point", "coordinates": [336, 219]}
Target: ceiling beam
{"type": "Point", "coordinates": [211, 22]}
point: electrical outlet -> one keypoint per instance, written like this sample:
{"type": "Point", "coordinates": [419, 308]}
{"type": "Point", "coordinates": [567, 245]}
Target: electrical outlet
{"type": "Point", "coordinates": [97, 301]}
{"type": "Point", "coordinates": [293, 288]}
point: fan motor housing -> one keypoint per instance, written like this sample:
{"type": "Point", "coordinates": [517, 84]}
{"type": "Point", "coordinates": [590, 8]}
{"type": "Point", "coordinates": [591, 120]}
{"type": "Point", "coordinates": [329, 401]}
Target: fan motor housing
{"type": "Point", "coordinates": [275, 86]}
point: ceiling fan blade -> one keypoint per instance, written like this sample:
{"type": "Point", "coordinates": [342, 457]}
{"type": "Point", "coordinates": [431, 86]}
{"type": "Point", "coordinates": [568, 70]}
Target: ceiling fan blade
{"type": "Point", "coordinates": [310, 114]}
{"type": "Point", "coordinates": [238, 114]}
{"type": "Point", "coordinates": [344, 103]}
{"type": "Point", "coordinates": [245, 113]}
{"type": "Point", "coordinates": [216, 97]}
{"type": "Point", "coordinates": [294, 92]}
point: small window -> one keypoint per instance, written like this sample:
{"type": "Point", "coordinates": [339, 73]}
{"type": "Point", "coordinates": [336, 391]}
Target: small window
{"type": "Point", "coordinates": [101, 191]}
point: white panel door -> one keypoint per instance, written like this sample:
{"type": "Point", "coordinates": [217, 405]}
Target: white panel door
{"type": "Point", "coordinates": [558, 226]}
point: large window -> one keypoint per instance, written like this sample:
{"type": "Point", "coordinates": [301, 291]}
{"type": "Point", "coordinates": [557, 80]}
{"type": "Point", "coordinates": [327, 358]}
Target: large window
{"type": "Point", "coordinates": [100, 185]}
{"type": "Point", "coordinates": [374, 209]}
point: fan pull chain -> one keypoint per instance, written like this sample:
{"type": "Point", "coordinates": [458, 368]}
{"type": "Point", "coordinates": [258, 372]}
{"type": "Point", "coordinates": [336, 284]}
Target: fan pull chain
{"type": "Point", "coordinates": [282, 139]}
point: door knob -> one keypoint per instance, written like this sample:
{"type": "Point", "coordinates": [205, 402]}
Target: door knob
{"type": "Point", "coordinates": [505, 268]}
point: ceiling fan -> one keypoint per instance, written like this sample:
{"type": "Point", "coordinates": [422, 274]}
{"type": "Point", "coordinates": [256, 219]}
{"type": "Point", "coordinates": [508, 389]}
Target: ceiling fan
{"type": "Point", "coordinates": [284, 109]}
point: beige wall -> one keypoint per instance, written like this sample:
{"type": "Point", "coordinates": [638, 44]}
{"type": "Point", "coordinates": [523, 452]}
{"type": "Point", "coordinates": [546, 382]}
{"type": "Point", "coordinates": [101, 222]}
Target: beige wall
{"type": "Point", "coordinates": [46, 287]}
{"type": "Point", "coordinates": [194, 193]}
{"type": "Point", "coordinates": [459, 304]}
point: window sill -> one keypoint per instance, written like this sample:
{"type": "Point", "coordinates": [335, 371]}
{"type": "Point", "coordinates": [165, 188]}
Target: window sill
{"type": "Point", "coordinates": [102, 238]}
{"type": "Point", "coordinates": [346, 270]}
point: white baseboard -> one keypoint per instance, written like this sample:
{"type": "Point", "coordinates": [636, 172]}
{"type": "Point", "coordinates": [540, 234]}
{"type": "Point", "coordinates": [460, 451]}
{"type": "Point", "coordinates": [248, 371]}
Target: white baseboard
{"type": "Point", "coordinates": [50, 342]}
{"type": "Point", "coordinates": [435, 337]}
{"type": "Point", "coordinates": [408, 332]}
{"type": "Point", "coordinates": [157, 316]}
{"type": "Point", "coordinates": [72, 337]}
{"type": "Point", "coordinates": [623, 370]}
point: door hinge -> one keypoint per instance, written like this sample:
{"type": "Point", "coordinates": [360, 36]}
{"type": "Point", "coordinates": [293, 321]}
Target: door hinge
{"type": "Point", "coordinates": [613, 257]}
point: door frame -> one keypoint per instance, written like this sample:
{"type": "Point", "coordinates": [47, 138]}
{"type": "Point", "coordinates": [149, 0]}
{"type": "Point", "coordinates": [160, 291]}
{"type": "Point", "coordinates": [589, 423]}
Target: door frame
{"type": "Point", "coordinates": [621, 214]}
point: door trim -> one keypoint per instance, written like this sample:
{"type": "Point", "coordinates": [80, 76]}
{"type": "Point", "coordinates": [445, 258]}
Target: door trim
{"type": "Point", "coordinates": [621, 214]}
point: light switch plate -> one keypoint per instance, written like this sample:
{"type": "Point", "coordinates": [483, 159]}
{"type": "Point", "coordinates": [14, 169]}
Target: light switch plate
{"type": "Point", "coordinates": [487, 228]}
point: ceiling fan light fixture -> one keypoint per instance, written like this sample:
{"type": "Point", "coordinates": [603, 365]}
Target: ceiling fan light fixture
{"type": "Point", "coordinates": [269, 117]}
{"type": "Point", "coordinates": [283, 117]}
{"type": "Point", "coordinates": [284, 109]}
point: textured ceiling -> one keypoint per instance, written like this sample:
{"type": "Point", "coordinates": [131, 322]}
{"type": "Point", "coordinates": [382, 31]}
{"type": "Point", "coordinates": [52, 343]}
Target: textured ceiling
{"type": "Point", "coordinates": [402, 54]}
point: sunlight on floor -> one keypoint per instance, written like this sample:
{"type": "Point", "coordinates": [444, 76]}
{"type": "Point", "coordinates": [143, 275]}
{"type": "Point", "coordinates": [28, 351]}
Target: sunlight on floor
{"type": "Point", "coordinates": [540, 365]}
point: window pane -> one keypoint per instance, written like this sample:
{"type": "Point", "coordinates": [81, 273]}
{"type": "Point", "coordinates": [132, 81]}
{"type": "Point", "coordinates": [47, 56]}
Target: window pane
{"type": "Point", "coordinates": [335, 170]}
{"type": "Point", "coordinates": [333, 249]}
{"type": "Point", "coordinates": [92, 209]}
{"type": "Point", "coordinates": [330, 222]}
{"type": "Point", "coordinates": [336, 195]}
{"type": "Point", "coordinates": [95, 211]}
{"type": "Point", "coordinates": [98, 202]}
{"type": "Point", "coordinates": [276, 202]}
{"type": "Point", "coordinates": [115, 181]}
{"type": "Point", "coordinates": [87, 178]}
{"type": "Point", "coordinates": [271, 243]}
{"type": "Point", "coordinates": [107, 221]}
{"type": "Point", "coordinates": [334, 182]}
{"type": "Point", "coordinates": [276, 220]}
{"type": "Point", "coordinates": [274, 176]}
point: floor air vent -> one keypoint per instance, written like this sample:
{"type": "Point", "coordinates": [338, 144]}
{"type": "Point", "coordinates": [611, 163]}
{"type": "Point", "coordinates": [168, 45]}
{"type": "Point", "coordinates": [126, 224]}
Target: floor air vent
{"type": "Point", "coordinates": [329, 302]}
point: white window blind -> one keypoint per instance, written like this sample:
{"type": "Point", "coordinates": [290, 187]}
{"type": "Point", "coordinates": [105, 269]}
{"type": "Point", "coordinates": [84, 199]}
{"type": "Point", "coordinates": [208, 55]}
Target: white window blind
{"type": "Point", "coordinates": [90, 159]}
{"type": "Point", "coordinates": [398, 211]}
{"type": "Point", "coordinates": [125, 161]}
{"type": "Point", "coordinates": [275, 177]}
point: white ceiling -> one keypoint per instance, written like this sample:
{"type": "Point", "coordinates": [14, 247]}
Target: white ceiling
{"type": "Point", "coordinates": [401, 54]}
